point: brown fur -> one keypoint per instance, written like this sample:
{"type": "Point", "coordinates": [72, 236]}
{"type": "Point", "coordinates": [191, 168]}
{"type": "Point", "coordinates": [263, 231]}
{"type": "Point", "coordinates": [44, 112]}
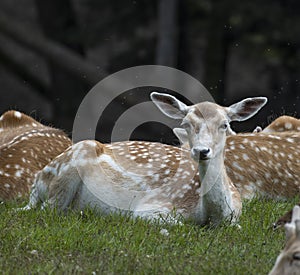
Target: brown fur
{"type": "Point", "coordinates": [26, 146]}
{"type": "Point", "coordinates": [273, 160]}
{"type": "Point", "coordinates": [283, 124]}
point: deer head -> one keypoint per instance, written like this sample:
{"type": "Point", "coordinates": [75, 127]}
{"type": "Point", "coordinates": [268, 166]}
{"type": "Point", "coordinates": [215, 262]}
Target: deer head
{"type": "Point", "coordinates": [288, 262]}
{"type": "Point", "coordinates": [206, 124]}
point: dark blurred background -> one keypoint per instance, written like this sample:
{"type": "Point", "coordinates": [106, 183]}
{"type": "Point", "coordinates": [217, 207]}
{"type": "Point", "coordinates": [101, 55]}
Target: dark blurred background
{"type": "Point", "coordinates": [53, 51]}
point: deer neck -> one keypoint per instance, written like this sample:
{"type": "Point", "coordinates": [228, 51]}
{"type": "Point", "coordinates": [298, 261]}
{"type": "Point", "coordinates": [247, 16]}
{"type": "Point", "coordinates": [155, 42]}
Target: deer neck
{"type": "Point", "coordinates": [215, 202]}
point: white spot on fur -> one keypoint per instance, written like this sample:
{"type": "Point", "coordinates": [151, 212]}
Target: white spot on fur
{"type": "Point", "coordinates": [18, 174]}
{"type": "Point", "coordinates": [245, 157]}
{"type": "Point", "coordinates": [17, 114]}
{"type": "Point", "coordinates": [236, 165]}
{"type": "Point", "coordinates": [268, 175]}
{"type": "Point", "coordinates": [288, 125]}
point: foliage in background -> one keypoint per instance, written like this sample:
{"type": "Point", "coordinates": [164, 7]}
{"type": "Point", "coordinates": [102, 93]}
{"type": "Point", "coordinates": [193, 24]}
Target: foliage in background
{"type": "Point", "coordinates": [235, 48]}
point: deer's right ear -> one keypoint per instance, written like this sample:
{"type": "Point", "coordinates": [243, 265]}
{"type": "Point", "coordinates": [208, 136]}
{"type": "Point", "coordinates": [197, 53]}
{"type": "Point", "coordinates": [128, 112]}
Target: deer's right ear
{"type": "Point", "coordinates": [181, 134]}
{"type": "Point", "coordinates": [169, 105]}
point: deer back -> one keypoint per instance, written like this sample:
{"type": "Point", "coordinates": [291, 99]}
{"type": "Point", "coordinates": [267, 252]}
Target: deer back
{"type": "Point", "coordinates": [264, 164]}
{"type": "Point", "coordinates": [26, 146]}
{"type": "Point", "coordinates": [283, 124]}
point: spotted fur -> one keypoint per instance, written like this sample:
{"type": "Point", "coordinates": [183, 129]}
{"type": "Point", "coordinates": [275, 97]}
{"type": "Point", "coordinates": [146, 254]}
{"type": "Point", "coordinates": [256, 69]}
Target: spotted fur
{"type": "Point", "coordinates": [281, 124]}
{"type": "Point", "coordinates": [153, 179]}
{"type": "Point", "coordinates": [26, 146]}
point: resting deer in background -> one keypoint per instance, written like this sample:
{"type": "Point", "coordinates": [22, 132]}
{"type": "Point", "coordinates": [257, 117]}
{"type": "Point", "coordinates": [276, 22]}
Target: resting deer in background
{"type": "Point", "coordinates": [281, 124]}
{"type": "Point", "coordinates": [26, 146]}
{"type": "Point", "coordinates": [288, 262]}
{"type": "Point", "coordinates": [152, 179]}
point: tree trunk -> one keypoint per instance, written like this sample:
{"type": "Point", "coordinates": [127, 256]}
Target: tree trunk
{"type": "Point", "coordinates": [57, 19]}
{"type": "Point", "coordinates": [53, 52]}
{"type": "Point", "coordinates": [216, 54]}
{"type": "Point", "coordinates": [167, 39]}
{"type": "Point", "coordinates": [183, 37]}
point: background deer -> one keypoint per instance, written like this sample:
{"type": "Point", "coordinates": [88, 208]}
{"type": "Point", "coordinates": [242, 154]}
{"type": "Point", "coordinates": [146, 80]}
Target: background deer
{"type": "Point", "coordinates": [281, 124]}
{"type": "Point", "coordinates": [288, 262]}
{"type": "Point", "coordinates": [151, 179]}
{"type": "Point", "coordinates": [26, 146]}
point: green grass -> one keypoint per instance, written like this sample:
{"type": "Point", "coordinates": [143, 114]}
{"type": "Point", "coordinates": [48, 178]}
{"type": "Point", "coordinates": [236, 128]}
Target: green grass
{"type": "Point", "coordinates": [45, 242]}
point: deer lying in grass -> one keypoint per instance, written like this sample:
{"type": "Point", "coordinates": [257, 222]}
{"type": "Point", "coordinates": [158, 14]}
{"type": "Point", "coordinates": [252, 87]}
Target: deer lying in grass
{"type": "Point", "coordinates": [281, 124]}
{"type": "Point", "coordinates": [26, 146]}
{"type": "Point", "coordinates": [153, 179]}
{"type": "Point", "coordinates": [288, 262]}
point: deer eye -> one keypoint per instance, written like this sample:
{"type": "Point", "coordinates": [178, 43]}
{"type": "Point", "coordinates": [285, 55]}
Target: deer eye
{"type": "Point", "coordinates": [296, 256]}
{"type": "Point", "coordinates": [224, 126]}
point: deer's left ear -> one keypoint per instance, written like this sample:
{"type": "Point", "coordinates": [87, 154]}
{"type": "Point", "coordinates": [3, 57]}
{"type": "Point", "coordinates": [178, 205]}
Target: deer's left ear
{"type": "Point", "coordinates": [181, 134]}
{"type": "Point", "coordinates": [246, 108]}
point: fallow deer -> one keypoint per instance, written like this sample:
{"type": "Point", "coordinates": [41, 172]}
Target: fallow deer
{"type": "Point", "coordinates": [281, 124]}
{"type": "Point", "coordinates": [26, 146]}
{"type": "Point", "coordinates": [152, 179]}
{"type": "Point", "coordinates": [288, 261]}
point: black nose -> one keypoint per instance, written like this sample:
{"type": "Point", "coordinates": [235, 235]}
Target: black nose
{"type": "Point", "coordinates": [201, 153]}
{"type": "Point", "coordinates": [204, 153]}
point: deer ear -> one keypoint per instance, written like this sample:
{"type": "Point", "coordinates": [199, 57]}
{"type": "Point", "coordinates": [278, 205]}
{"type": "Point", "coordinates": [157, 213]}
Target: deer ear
{"type": "Point", "coordinates": [289, 231]}
{"type": "Point", "coordinates": [296, 213]}
{"type": "Point", "coordinates": [297, 223]}
{"type": "Point", "coordinates": [181, 134]}
{"type": "Point", "coordinates": [293, 227]}
{"type": "Point", "coordinates": [169, 105]}
{"type": "Point", "coordinates": [296, 220]}
{"type": "Point", "coordinates": [246, 108]}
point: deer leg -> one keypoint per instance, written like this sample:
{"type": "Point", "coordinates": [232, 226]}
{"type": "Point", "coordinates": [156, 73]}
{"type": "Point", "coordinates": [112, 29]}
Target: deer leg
{"type": "Point", "coordinates": [63, 189]}
{"type": "Point", "coordinates": [38, 191]}
{"type": "Point", "coordinates": [60, 190]}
